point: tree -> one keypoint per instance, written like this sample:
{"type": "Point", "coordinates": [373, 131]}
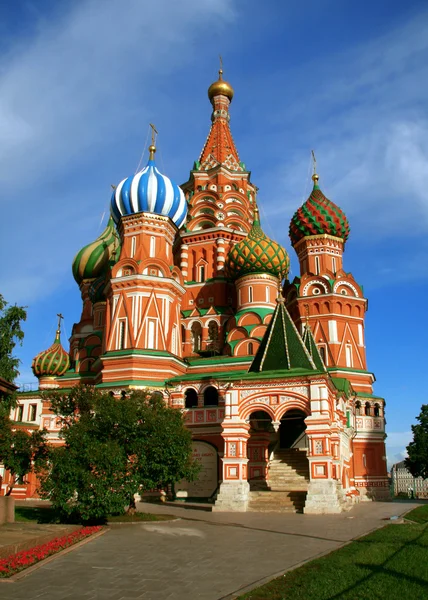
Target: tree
{"type": "Point", "coordinates": [20, 451]}
{"type": "Point", "coordinates": [417, 461]}
{"type": "Point", "coordinates": [11, 333]}
{"type": "Point", "coordinates": [114, 448]}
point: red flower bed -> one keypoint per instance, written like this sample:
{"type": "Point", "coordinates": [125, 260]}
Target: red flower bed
{"type": "Point", "coordinates": [17, 562]}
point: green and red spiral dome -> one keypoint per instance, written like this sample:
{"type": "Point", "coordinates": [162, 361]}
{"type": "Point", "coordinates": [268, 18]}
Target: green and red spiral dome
{"type": "Point", "coordinates": [318, 216]}
{"type": "Point", "coordinates": [256, 253]}
{"type": "Point", "coordinates": [52, 362]}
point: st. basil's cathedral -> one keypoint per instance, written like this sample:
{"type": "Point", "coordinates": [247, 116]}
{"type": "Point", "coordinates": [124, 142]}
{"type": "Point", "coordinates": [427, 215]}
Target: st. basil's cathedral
{"type": "Point", "coordinates": [184, 294]}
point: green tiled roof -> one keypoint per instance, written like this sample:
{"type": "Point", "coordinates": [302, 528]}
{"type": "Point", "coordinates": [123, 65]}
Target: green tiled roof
{"type": "Point", "coordinates": [312, 348]}
{"type": "Point", "coordinates": [343, 385]}
{"type": "Point", "coordinates": [282, 348]}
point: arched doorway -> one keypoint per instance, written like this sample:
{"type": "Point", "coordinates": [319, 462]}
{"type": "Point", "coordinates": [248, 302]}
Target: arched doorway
{"type": "Point", "coordinates": [291, 429]}
{"type": "Point", "coordinates": [190, 398]}
{"type": "Point", "coordinates": [262, 436]}
{"type": "Point", "coordinates": [211, 396]}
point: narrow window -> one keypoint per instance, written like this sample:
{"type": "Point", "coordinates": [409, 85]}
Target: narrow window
{"type": "Point", "coordinates": [367, 408]}
{"type": "Point", "coordinates": [152, 246]}
{"type": "Point", "coordinates": [317, 265]}
{"type": "Point", "coordinates": [151, 333]}
{"type": "Point", "coordinates": [20, 413]}
{"type": "Point", "coordinates": [250, 348]}
{"type": "Point", "coordinates": [32, 412]}
{"type": "Point", "coordinates": [358, 408]}
{"type": "Point", "coordinates": [267, 294]}
{"type": "Point", "coordinates": [202, 273]}
{"type": "Point", "coordinates": [333, 265]}
{"type": "Point", "coordinates": [122, 334]}
{"type": "Point", "coordinates": [360, 335]}
{"type": "Point", "coordinates": [348, 354]}
{"type": "Point", "coordinates": [133, 245]}
{"type": "Point", "coordinates": [332, 331]}
{"type": "Point", "coordinates": [250, 294]}
{"type": "Point", "coordinates": [239, 297]}
{"type": "Point", "coordinates": [323, 354]}
{"type": "Point", "coordinates": [376, 410]}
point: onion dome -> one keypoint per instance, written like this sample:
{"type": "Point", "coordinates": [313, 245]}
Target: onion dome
{"type": "Point", "coordinates": [257, 253]}
{"type": "Point", "coordinates": [96, 289]}
{"type": "Point", "coordinates": [52, 362]}
{"type": "Point", "coordinates": [149, 191]}
{"type": "Point", "coordinates": [318, 216]}
{"type": "Point", "coordinates": [93, 259]}
{"type": "Point", "coordinates": [220, 88]}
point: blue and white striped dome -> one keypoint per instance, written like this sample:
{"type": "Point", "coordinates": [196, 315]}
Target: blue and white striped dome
{"type": "Point", "coordinates": [149, 191]}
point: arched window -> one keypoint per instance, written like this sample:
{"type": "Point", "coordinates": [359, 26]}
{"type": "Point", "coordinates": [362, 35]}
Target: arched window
{"type": "Point", "coordinates": [250, 294]}
{"type": "Point", "coordinates": [358, 408]}
{"type": "Point", "coordinates": [211, 396]}
{"type": "Point", "coordinates": [323, 354]}
{"type": "Point", "coordinates": [152, 246]}
{"type": "Point", "coordinates": [196, 336]}
{"type": "Point", "coordinates": [202, 273]}
{"type": "Point", "coordinates": [376, 410]}
{"type": "Point", "coordinates": [367, 408]}
{"type": "Point", "coordinates": [190, 398]}
{"type": "Point", "coordinates": [213, 335]}
{"type": "Point", "coordinates": [250, 348]}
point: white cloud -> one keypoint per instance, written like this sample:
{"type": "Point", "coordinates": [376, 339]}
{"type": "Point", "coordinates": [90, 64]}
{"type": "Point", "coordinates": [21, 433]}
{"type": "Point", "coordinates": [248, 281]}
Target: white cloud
{"type": "Point", "coordinates": [69, 99]}
{"type": "Point", "coordinates": [396, 443]}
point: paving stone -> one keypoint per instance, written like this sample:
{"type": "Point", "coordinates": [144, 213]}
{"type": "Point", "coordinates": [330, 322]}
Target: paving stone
{"type": "Point", "coordinates": [186, 559]}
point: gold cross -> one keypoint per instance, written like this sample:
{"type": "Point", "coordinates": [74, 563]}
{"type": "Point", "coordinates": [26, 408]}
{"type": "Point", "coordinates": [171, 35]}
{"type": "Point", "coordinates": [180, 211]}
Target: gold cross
{"type": "Point", "coordinates": [59, 315]}
{"type": "Point", "coordinates": [314, 160]}
{"type": "Point", "coordinates": [154, 133]}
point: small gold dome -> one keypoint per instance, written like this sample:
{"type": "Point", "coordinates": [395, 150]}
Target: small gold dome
{"type": "Point", "coordinates": [220, 87]}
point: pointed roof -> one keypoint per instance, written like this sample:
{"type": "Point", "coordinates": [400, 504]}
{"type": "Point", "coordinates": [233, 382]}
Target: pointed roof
{"type": "Point", "coordinates": [312, 348]}
{"type": "Point", "coordinates": [282, 347]}
{"type": "Point", "coordinates": [220, 149]}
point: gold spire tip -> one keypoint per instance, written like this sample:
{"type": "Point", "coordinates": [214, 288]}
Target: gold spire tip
{"type": "Point", "coordinates": [315, 177]}
{"type": "Point", "coordinates": [152, 147]}
{"type": "Point", "coordinates": [60, 317]}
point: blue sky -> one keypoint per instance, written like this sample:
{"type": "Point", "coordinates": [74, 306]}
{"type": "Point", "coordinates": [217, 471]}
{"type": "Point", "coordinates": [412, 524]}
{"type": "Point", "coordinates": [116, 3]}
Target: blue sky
{"type": "Point", "coordinates": [81, 80]}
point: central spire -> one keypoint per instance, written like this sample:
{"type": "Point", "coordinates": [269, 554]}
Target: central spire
{"type": "Point", "coordinates": [220, 149]}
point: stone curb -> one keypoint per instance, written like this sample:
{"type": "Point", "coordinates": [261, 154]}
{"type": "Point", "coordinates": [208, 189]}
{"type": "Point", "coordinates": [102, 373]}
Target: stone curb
{"type": "Point", "coordinates": [45, 561]}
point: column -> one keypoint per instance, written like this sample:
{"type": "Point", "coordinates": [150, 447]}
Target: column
{"type": "Point", "coordinates": [234, 490]}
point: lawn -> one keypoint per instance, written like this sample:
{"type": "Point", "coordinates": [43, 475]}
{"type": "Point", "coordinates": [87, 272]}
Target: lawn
{"type": "Point", "coordinates": [390, 563]}
{"type": "Point", "coordinates": [45, 514]}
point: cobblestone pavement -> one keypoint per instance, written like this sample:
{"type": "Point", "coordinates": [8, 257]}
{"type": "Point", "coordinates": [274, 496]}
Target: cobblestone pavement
{"type": "Point", "coordinates": [206, 556]}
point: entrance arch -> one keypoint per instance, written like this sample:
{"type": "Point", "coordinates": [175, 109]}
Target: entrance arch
{"type": "Point", "coordinates": [262, 435]}
{"type": "Point", "coordinates": [291, 428]}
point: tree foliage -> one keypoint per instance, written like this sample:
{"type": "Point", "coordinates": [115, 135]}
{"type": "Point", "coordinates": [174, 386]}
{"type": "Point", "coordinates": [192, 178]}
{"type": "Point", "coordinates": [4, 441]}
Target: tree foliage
{"type": "Point", "coordinates": [11, 334]}
{"type": "Point", "coordinates": [21, 452]}
{"type": "Point", "coordinates": [417, 461]}
{"type": "Point", "coordinates": [114, 448]}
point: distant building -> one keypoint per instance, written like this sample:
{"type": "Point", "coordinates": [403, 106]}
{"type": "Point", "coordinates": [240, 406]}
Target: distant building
{"type": "Point", "coordinates": [184, 294]}
{"type": "Point", "coordinates": [403, 482]}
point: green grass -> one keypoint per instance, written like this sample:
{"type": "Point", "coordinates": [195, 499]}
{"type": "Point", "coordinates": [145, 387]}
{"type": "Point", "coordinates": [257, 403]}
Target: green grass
{"type": "Point", "coordinates": [45, 514]}
{"type": "Point", "coordinates": [418, 515]}
{"type": "Point", "coordinates": [391, 563]}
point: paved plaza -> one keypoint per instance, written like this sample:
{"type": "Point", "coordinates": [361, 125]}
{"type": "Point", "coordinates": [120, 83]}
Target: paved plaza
{"type": "Point", "coordinates": [206, 556]}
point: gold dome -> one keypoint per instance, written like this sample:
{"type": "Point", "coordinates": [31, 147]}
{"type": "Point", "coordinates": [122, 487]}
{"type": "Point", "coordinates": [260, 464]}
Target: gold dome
{"type": "Point", "coordinates": [220, 87]}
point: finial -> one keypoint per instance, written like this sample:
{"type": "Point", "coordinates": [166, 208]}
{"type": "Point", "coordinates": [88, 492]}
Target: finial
{"type": "Point", "coordinates": [152, 147]}
{"type": "Point", "coordinates": [256, 214]}
{"type": "Point", "coordinates": [307, 315]}
{"type": "Point", "coordinates": [220, 71]}
{"type": "Point", "coordinates": [315, 177]}
{"type": "Point", "coordinates": [58, 331]}
{"type": "Point", "coordinates": [280, 297]}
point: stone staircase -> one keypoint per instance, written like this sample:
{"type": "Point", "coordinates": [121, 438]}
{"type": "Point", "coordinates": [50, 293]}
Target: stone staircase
{"type": "Point", "coordinates": [286, 489]}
